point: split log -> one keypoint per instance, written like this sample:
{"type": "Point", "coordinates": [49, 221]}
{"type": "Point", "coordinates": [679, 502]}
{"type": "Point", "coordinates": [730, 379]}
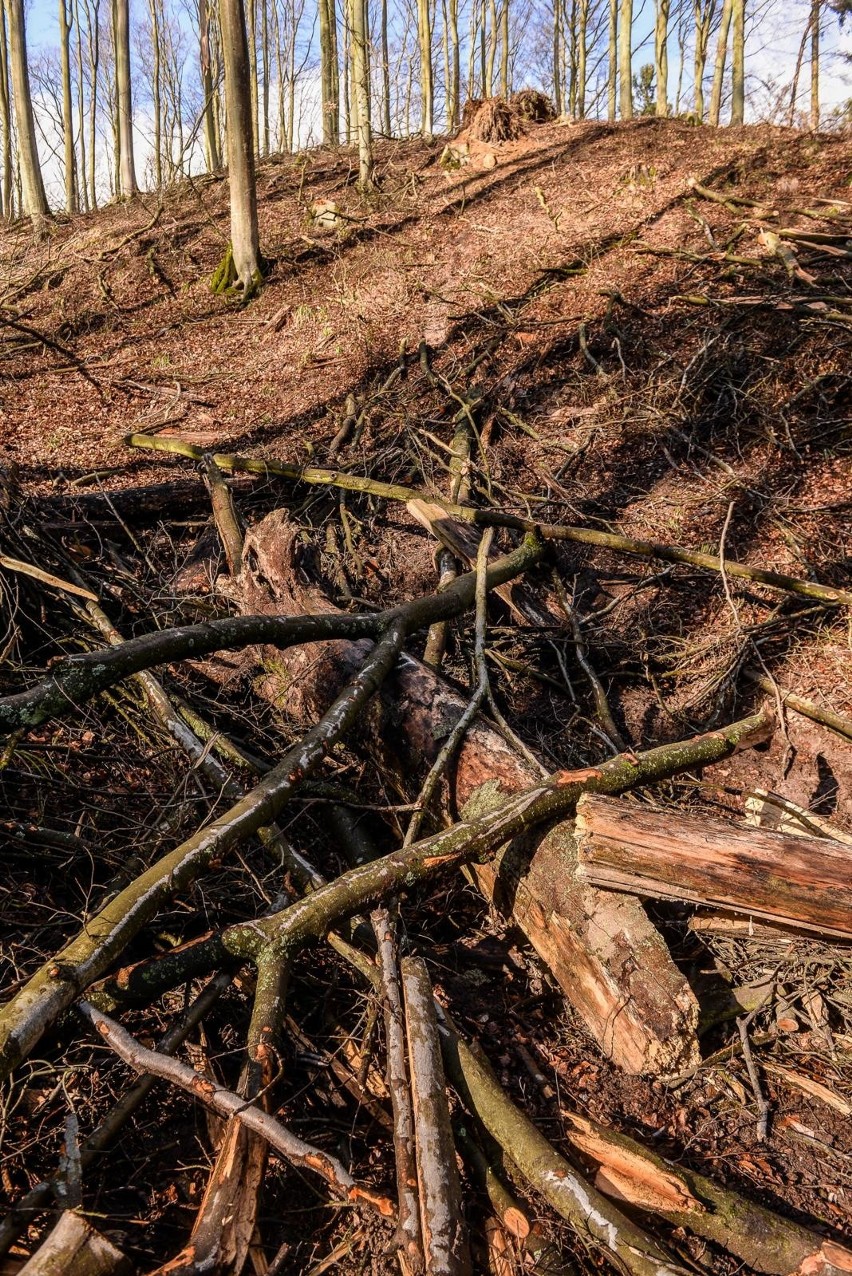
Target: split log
{"type": "Point", "coordinates": [74, 1248]}
{"type": "Point", "coordinates": [601, 948]}
{"type": "Point", "coordinates": [778, 877]}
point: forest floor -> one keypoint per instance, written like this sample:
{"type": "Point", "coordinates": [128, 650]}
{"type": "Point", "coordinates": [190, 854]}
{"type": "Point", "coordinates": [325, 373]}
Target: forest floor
{"type": "Point", "coordinates": [638, 357]}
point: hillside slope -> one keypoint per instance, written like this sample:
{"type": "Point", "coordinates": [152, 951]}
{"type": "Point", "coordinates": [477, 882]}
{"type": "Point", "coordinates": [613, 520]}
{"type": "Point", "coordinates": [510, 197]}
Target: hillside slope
{"type": "Point", "coordinates": [645, 329]}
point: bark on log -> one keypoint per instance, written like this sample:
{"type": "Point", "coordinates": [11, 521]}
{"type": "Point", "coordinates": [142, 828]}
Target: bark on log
{"type": "Point", "coordinates": [778, 877]}
{"type": "Point", "coordinates": [601, 948]}
{"type": "Point", "coordinates": [74, 1248]}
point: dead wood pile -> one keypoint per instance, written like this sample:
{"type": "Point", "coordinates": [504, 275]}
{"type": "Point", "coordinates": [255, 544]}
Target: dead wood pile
{"type": "Point", "coordinates": [559, 855]}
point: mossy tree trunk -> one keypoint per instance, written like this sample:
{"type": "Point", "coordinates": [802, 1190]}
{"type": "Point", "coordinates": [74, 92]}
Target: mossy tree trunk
{"type": "Point", "coordinates": [245, 249]}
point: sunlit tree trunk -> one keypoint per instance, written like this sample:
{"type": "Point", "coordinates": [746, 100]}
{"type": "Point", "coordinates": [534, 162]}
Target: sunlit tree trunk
{"type": "Point", "coordinates": [251, 37]}
{"type": "Point", "coordinates": [93, 40]}
{"type": "Point", "coordinates": [264, 53]}
{"type": "Point", "coordinates": [124, 99]}
{"type": "Point", "coordinates": [5, 117]}
{"type": "Point", "coordinates": [612, 62]}
{"type": "Point", "coordinates": [582, 56]}
{"type": "Point", "coordinates": [361, 95]}
{"type": "Point", "coordinates": [815, 21]}
{"type": "Point", "coordinates": [240, 136]}
{"type": "Point", "coordinates": [661, 56]}
{"type": "Point", "coordinates": [82, 188]}
{"type": "Point", "coordinates": [211, 132]}
{"type": "Point", "coordinates": [492, 47]}
{"type": "Point", "coordinates": [738, 62]}
{"type": "Point", "coordinates": [34, 197]}
{"type": "Point", "coordinates": [505, 86]}
{"type": "Point", "coordinates": [156, 92]}
{"type": "Point", "coordinates": [329, 120]}
{"type": "Point", "coordinates": [625, 59]}
{"type": "Point", "coordinates": [424, 40]}
{"type": "Point", "coordinates": [386, 90]}
{"type": "Point", "coordinates": [572, 60]}
{"type": "Point", "coordinates": [703, 22]}
{"type": "Point", "coordinates": [719, 65]}
{"type": "Point", "coordinates": [557, 55]}
{"type": "Point", "coordinates": [65, 21]}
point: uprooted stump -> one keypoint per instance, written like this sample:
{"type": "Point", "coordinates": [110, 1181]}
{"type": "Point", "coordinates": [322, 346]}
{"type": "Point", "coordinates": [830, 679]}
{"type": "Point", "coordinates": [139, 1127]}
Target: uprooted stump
{"type": "Point", "coordinates": [533, 105]}
{"type": "Point", "coordinates": [496, 120]}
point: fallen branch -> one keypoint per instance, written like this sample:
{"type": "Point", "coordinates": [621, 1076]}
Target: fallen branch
{"type": "Point", "coordinates": [408, 1202]}
{"type": "Point", "coordinates": [600, 1223]}
{"type": "Point", "coordinates": [444, 1236]}
{"type": "Point", "coordinates": [228, 1104]}
{"type": "Point", "coordinates": [61, 979]}
{"type": "Point", "coordinates": [76, 679]}
{"type": "Point", "coordinates": [493, 518]}
{"type": "Point", "coordinates": [799, 704]}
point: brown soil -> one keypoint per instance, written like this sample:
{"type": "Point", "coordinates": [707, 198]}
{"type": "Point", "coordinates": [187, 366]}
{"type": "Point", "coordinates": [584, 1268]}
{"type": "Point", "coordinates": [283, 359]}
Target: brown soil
{"type": "Point", "coordinates": [637, 359]}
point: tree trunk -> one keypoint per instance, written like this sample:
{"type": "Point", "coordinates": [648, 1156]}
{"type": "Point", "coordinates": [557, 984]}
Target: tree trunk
{"type": "Point", "coordinates": [156, 94]}
{"type": "Point", "coordinates": [719, 66]}
{"type": "Point", "coordinates": [424, 40]}
{"type": "Point", "coordinates": [361, 94]}
{"type": "Point", "coordinates": [797, 881]}
{"type": "Point", "coordinates": [5, 117]}
{"type": "Point", "coordinates": [815, 24]}
{"type": "Point", "coordinates": [94, 51]}
{"type": "Point", "coordinates": [67, 108]}
{"type": "Point", "coordinates": [582, 56]}
{"type": "Point", "coordinates": [386, 91]}
{"type": "Point", "coordinates": [738, 62]}
{"type": "Point", "coordinates": [703, 22]}
{"type": "Point", "coordinates": [82, 188]}
{"type": "Point", "coordinates": [661, 56]}
{"type": "Point", "coordinates": [625, 59]}
{"type": "Point", "coordinates": [250, 23]}
{"type": "Point", "coordinates": [240, 135]}
{"type": "Point", "coordinates": [127, 185]}
{"type": "Point", "coordinates": [612, 62]}
{"type": "Point", "coordinates": [35, 199]}
{"type": "Point", "coordinates": [211, 133]}
{"type": "Point", "coordinates": [505, 87]}
{"type": "Point", "coordinates": [557, 55]}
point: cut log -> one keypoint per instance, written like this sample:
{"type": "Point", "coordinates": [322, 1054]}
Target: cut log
{"type": "Point", "coordinates": [602, 949]}
{"type": "Point", "coordinates": [798, 881]}
{"type": "Point", "coordinates": [74, 1248]}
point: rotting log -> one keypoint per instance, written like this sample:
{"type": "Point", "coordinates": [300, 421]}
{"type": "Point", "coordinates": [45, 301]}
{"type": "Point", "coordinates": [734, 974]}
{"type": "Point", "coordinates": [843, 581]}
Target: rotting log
{"type": "Point", "coordinates": [601, 948]}
{"type": "Point", "coordinates": [778, 877]}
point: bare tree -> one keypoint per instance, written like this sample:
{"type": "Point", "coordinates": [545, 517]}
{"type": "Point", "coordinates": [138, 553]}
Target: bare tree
{"type": "Point", "coordinates": [661, 56]}
{"type": "Point", "coordinates": [738, 62]}
{"type": "Point", "coordinates": [5, 117]}
{"type": "Point", "coordinates": [625, 59]}
{"type": "Point", "coordinates": [127, 185]}
{"type": "Point", "coordinates": [361, 93]}
{"type": "Point", "coordinates": [815, 34]}
{"type": "Point", "coordinates": [65, 20]}
{"type": "Point", "coordinates": [424, 40]}
{"type": "Point", "coordinates": [242, 263]}
{"type": "Point", "coordinates": [719, 65]}
{"type": "Point", "coordinates": [35, 199]}
{"type": "Point", "coordinates": [612, 62]}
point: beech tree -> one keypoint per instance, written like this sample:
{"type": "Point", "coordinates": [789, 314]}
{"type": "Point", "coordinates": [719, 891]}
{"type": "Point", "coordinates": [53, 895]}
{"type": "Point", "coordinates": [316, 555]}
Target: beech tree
{"type": "Point", "coordinates": [35, 199]}
{"type": "Point", "coordinates": [242, 263]}
{"type": "Point", "coordinates": [127, 185]}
